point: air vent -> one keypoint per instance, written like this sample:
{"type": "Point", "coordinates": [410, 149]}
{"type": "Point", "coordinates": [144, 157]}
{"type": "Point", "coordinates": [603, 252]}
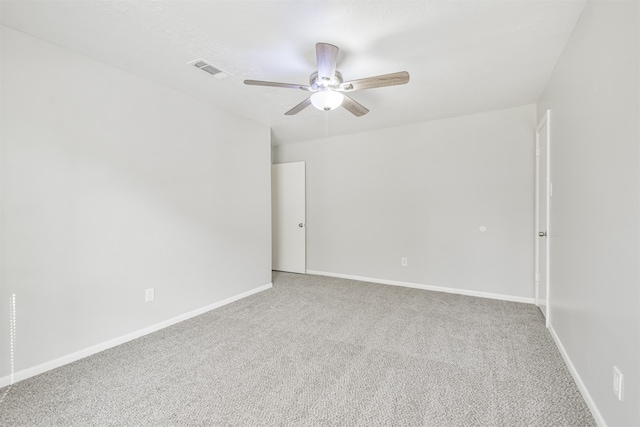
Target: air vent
{"type": "Point", "coordinates": [206, 66]}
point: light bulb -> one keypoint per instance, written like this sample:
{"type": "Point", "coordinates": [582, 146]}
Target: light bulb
{"type": "Point", "coordinates": [327, 99]}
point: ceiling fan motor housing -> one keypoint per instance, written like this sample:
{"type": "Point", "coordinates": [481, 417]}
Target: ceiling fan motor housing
{"type": "Point", "coordinates": [319, 84]}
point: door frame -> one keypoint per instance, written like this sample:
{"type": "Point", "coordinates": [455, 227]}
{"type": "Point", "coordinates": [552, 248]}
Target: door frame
{"type": "Point", "coordinates": [545, 123]}
{"type": "Point", "coordinates": [295, 173]}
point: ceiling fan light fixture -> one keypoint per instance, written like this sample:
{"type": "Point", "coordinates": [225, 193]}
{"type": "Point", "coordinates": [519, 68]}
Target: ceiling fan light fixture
{"type": "Point", "coordinates": [326, 85]}
{"type": "Point", "coordinates": [327, 100]}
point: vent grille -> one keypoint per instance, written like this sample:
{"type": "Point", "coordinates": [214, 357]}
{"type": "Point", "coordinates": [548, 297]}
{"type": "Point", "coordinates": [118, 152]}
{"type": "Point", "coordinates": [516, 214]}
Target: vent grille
{"type": "Point", "coordinates": [207, 67]}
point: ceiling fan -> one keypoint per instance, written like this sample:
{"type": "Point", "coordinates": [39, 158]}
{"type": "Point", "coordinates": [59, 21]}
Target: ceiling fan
{"type": "Point", "coordinates": [327, 87]}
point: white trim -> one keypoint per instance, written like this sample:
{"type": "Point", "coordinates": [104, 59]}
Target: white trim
{"type": "Point", "coordinates": [544, 123]}
{"type": "Point", "coordinates": [547, 239]}
{"type": "Point", "coordinates": [536, 239]}
{"type": "Point", "coordinates": [576, 377]}
{"type": "Point", "coordinates": [427, 287]}
{"type": "Point", "coordinates": [47, 366]}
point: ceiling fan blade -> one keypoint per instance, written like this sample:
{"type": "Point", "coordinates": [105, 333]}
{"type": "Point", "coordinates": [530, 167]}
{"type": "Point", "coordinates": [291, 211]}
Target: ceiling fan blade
{"type": "Point", "coordinates": [276, 84]}
{"type": "Point", "coordinates": [392, 79]}
{"type": "Point", "coordinates": [327, 56]}
{"type": "Point", "coordinates": [354, 107]}
{"type": "Point", "coordinates": [295, 110]}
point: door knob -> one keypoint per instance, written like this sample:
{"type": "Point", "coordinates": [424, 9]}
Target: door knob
{"type": "Point", "coordinates": [542, 233]}
{"type": "Point", "coordinates": [300, 225]}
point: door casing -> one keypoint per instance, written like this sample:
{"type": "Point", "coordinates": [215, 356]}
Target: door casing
{"type": "Point", "coordinates": [543, 195]}
{"type": "Point", "coordinates": [288, 217]}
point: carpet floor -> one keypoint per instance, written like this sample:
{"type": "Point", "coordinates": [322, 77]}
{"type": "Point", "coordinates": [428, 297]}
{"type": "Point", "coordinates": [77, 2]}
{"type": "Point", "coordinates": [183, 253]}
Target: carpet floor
{"type": "Point", "coordinates": [319, 351]}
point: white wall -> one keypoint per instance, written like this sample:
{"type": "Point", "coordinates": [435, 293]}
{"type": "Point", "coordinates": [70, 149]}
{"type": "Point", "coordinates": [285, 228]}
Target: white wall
{"type": "Point", "coordinates": [593, 96]}
{"type": "Point", "coordinates": [422, 192]}
{"type": "Point", "coordinates": [112, 184]}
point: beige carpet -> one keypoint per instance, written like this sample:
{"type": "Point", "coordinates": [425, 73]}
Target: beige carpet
{"type": "Point", "coordinates": [316, 351]}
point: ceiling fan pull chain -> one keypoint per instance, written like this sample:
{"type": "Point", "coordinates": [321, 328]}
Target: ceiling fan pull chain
{"type": "Point", "coordinates": [326, 126]}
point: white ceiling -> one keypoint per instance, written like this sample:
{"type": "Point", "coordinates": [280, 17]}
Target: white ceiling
{"type": "Point", "coordinates": [463, 56]}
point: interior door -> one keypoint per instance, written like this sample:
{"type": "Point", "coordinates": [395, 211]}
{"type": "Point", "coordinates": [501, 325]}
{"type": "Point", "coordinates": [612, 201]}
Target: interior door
{"type": "Point", "coordinates": [288, 217]}
{"type": "Point", "coordinates": [543, 188]}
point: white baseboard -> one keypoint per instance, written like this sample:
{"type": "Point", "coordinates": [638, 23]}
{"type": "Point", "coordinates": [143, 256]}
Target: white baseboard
{"type": "Point", "coordinates": [47, 366]}
{"type": "Point", "coordinates": [576, 377]}
{"type": "Point", "coordinates": [427, 287]}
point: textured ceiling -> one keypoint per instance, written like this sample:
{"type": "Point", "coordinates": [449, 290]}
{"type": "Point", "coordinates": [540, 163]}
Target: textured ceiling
{"type": "Point", "coordinates": [463, 56]}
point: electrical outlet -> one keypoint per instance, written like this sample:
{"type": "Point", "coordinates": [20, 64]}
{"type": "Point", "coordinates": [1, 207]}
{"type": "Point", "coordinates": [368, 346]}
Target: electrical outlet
{"type": "Point", "coordinates": [149, 295]}
{"type": "Point", "coordinates": [618, 382]}
{"type": "Point", "coordinates": [403, 262]}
